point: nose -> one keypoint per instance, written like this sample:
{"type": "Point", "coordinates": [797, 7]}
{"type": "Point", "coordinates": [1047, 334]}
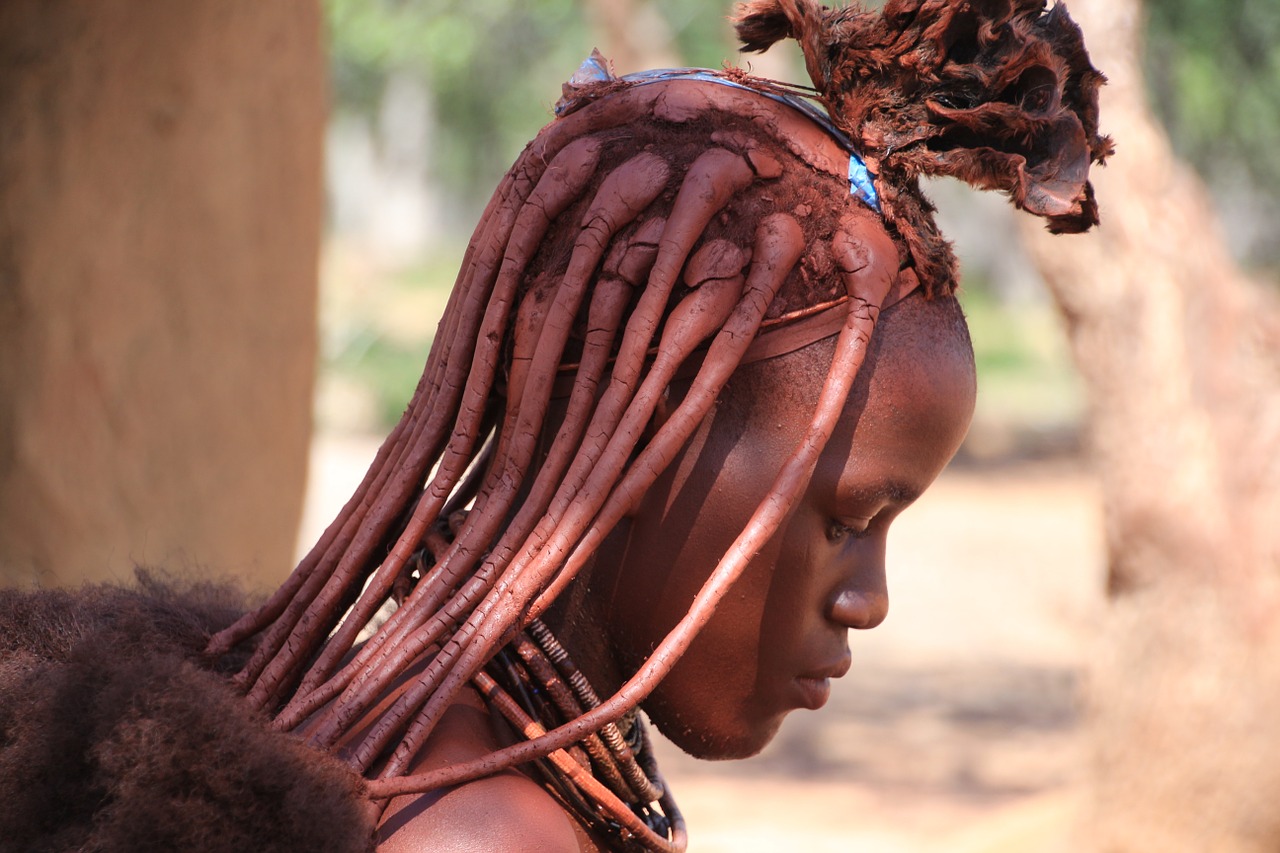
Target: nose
{"type": "Point", "coordinates": [861, 598]}
{"type": "Point", "coordinates": [859, 609]}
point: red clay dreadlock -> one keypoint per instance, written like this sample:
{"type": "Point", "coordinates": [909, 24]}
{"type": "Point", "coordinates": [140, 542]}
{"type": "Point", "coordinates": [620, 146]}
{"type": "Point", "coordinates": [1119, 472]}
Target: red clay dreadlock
{"type": "Point", "coordinates": [657, 231]}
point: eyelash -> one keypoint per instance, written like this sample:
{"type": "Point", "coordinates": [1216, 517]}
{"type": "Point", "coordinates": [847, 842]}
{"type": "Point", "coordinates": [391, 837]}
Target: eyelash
{"type": "Point", "coordinates": [838, 531]}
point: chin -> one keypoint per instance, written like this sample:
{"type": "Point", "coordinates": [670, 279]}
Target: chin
{"type": "Point", "coordinates": [718, 742]}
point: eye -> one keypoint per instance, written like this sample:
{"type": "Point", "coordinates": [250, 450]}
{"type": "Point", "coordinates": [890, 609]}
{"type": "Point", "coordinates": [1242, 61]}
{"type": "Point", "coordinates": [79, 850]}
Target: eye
{"type": "Point", "coordinates": [839, 530]}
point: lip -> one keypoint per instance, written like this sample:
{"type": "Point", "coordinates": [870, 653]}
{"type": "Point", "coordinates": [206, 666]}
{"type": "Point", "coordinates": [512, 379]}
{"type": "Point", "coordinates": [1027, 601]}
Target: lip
{"type": "Point", "coordinates": [814, 692]}
{"type": "Point", "coordinates": [815, 686]}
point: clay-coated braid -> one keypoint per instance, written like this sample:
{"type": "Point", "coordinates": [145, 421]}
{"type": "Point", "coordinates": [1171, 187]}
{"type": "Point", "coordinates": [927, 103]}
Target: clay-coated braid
{"type": "Point", "coordinates": [712, 179]}
{"type": "Point", "coordinates": [850, 349]}
{"type": "Point", "coordinates": [608, 305]}
{"type": "Point", "coordinates": [609, 301]}
{"type": "Point", "coordinates": [623, 195]}
{"type": "Point", "coordinates": [337, 535]}
{"type": "Point", "coordinates": [762, 526]}
{"type": "Point", "coordinates": [690, 323]}
{"type": "Point", "coordinates": [477, 290]}
{"type": "Point", "coordinates": [637, 265]}
{"type": "Point", "coordinates": [561, 183]}
{"type": "Point", "coordinates": [779, 244]}
{"type": "Point", "coordinates": [699, 198]}
{"type": "Point", "coordinates": [264, 669]}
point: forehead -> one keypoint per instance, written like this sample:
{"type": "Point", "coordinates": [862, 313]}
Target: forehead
{"type": "Point", "coordinates": [918, 374]}
{"type": "Point", "coordinates": [930, 334]}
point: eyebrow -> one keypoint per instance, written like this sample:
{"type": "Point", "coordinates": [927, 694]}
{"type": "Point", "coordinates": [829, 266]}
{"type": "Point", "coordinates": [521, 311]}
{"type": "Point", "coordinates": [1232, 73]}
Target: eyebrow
{"type": "Point", "coordinates": [893, 491]}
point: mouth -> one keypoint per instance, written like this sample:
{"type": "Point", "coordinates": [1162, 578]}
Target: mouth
{"type": "Point", "coordinates": [814, 692]}
{"type": "Point", "coordinates": [814, 688]}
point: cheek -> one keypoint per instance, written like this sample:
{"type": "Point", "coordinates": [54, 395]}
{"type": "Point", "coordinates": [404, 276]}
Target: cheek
{"type": "Point", "coordinates": [669, 558]}
{"type": "Point", "coordinates": [769, 613]}
{"type": "Point", "coordinates": [723, 688]}
{"type": "Point", "coordinates": [796, 585]}
{"type": "Point", "coordinates": [684, 526]}
{"type": "Point", "coordinates": [744, 620]}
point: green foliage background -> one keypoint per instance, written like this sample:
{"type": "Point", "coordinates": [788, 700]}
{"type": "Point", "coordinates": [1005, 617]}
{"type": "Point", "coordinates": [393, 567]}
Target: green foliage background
{"type": "Point", "coordinates": [1213, 71]}
{"type": "Point", "coordinates": [494, 67]}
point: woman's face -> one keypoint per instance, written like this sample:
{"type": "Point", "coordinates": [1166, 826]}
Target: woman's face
{"type": "Point", "coordinates": [780, 634]}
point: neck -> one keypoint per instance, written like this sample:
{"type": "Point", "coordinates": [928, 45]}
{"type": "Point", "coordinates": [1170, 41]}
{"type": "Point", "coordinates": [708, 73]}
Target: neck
{"type": "Point", "coordinates": [577, 620]}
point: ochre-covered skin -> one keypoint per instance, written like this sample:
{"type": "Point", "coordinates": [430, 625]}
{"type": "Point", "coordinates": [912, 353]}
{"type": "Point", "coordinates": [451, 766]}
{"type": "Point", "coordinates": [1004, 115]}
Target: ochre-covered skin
{"type": "Point", "coordinates": [684, 383]}
{"type": "Point", "coordinates": [773, 645]}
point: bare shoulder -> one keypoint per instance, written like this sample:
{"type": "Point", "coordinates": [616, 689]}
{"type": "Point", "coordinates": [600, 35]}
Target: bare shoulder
{"type": "Point", "coordinates": [507, 812]}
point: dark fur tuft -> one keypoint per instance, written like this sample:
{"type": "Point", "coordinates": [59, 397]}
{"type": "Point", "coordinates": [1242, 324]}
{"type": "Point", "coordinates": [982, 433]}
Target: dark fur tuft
{"type": "Point", "coordinates": [761, 24]}
{"type": "Point", "coordinates": [997, 93]}
{"type": "Point", "coordinates": [113, 736]}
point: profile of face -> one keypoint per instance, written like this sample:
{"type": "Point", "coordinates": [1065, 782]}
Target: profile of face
{"type": "Point", "coordinates": [781, 634]}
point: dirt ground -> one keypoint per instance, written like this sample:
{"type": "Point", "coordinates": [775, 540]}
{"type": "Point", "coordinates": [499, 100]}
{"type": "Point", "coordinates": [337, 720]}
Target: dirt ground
{"type": "Point", "coordinates": [958, 728]}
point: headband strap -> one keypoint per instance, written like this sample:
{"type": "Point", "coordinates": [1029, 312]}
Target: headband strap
{"type": "Point", "coordinates": [798, 329]}
{"type": "Point", "coordinates": [594, 70]}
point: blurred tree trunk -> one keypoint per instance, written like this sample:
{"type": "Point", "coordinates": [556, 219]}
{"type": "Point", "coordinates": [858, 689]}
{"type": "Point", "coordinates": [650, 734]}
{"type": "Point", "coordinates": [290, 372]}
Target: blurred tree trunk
{"type": "Point", "coordinates": [1181, 357]}
{"type": "Point", "coordinates": [159, 238]}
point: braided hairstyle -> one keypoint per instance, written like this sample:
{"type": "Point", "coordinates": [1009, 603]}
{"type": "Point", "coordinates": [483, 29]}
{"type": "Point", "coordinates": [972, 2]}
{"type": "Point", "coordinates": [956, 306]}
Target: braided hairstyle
{"type": "Point", "coordinates": [660, 229]}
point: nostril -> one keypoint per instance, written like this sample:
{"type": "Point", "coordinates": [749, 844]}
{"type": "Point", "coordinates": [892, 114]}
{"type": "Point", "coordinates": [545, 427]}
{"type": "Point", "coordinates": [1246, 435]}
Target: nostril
{"type": "Point", "coordinates": [859, 610]}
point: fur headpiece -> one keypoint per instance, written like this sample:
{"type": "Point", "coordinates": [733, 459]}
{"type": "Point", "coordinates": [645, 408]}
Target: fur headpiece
{"type": "Point", "coordinates": [997, 93]}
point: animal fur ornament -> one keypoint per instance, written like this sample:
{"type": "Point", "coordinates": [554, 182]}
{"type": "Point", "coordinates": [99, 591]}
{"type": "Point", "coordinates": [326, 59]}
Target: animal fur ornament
{"type": "Point", "coordinates": [116, 737]}
{"type": "Point", "coordinates": [997, 93]}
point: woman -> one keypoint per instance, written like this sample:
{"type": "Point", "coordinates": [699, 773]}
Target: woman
{"type": "Point", "coordinates": [703, 349]}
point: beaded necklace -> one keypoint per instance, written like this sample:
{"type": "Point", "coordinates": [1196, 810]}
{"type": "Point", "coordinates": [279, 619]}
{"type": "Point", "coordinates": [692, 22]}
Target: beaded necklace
{"type": "Point", "coordinates": [609, 781]}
